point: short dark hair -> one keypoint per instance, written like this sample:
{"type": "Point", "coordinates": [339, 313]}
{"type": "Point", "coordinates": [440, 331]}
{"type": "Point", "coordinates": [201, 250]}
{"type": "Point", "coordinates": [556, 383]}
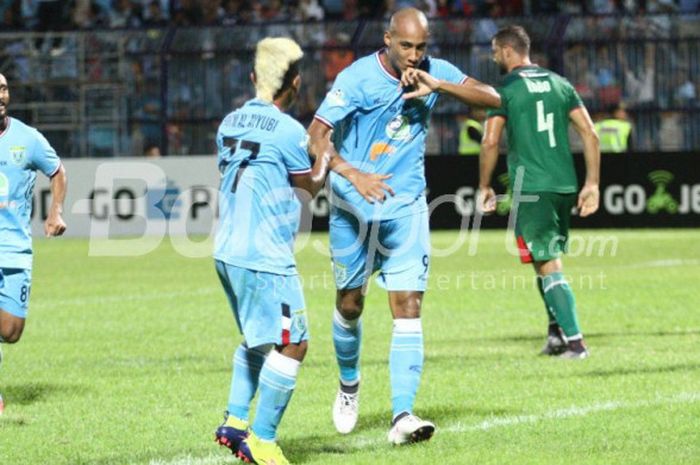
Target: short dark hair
{"type": "Point", "coordinates": [289, 76]}
{"type": "Point", "coordinates": [514, 36]}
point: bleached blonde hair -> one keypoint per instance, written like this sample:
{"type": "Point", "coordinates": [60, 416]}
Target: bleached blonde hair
{"type": "Point", "coordinates": [273, 57]}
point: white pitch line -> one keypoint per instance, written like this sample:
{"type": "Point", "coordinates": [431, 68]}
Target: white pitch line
{"type": "Point", "coordinates": [486, 425]}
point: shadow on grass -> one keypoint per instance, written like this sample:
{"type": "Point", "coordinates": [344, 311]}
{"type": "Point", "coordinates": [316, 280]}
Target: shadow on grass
{"type": "Point", "coordinates": [370, 433]}
{"type": "Point", "coordinates": [29, 393]}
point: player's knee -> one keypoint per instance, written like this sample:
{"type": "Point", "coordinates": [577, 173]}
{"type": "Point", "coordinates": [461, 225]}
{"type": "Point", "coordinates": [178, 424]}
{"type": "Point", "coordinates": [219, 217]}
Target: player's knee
{"type": "Point", "coordinates": [406, 304]}
{"type": "Point", "coordinates": [11, 333]}
{"type": "Point", "coordinates": [295, 351]}
{"type": "Point", "coordinates": [350, 304]}
{"type": "Point", "coordinates": [11, 327]}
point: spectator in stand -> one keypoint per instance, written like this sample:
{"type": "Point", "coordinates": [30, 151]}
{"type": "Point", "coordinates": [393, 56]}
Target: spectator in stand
{"type": "Point", "coordinates": [336, 56]}
{"type": "Point", "coordinates": [615, 131]}
{"type": "Point", "coordinates": [310, 10]}
{"type": "Point", "coordinates": [155, 16]}
{"type": "Point", "coordinates": [125, 14]}
{"type": "Point", "coordinates": [639, 86]}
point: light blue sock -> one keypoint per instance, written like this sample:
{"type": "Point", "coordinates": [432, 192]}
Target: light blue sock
{"type": "Point", "coordinates": [244, 380]}
{"type": "Point", "coordinates": [347, 339]}
{"type": "Point", "coordinates": [405, 363]}
{"type": "Point", "coordinates": [277, 381]}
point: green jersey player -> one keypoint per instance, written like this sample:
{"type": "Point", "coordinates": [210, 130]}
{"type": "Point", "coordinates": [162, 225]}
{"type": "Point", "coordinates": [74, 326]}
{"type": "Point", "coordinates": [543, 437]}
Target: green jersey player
{"type": "Point", "coordinates": [536, 108]}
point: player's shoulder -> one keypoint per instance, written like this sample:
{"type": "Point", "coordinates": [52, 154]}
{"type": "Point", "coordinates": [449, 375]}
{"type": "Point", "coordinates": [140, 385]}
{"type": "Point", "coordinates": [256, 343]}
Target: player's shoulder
{"type": "Point", "coordinates": [431, 64]}
{"type": "Point", "coordinates": [361, 69]}
{"type": "Point", "coordinates": [19, 126]}
{"type": "Point", "coordinates": [290, 124]}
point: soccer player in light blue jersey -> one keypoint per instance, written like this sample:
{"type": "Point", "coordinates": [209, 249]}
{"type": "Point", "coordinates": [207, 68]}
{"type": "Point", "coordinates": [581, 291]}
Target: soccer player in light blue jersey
{"type": "Point", "coordinates": [262, 157]}
{"type": "Point", "coordinates": [23, 151]}
{"type": "Point", "coordinates": [380, 125]}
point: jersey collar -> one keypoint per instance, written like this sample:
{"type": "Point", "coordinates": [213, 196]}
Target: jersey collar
{"type": "Point", "coordinates": [385, 71]}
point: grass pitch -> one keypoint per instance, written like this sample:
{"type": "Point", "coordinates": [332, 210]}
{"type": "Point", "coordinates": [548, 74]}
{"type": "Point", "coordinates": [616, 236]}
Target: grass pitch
{"type": "Point", "coordinates": [127, 360]}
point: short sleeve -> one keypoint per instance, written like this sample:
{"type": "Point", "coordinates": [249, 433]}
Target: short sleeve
{"type": "Point", "coordinates": [574, 100]}
{"type": "Point", "coordinates": [447, 71]}
{"type": "Point", "coordinates": [502, 110]}
{"type": "Point", "coordinates": [343, 99]}
{"type": "Point", "coordinates": [44, 157]}
{"type": "Point", "coordinates": [294, 152]}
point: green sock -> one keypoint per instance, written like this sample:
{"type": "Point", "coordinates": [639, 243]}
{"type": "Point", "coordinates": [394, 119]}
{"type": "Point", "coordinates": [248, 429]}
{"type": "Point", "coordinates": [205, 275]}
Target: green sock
{"type": "Point", "coordinates": [560, 299]}
{"type": "Point", "coordinates": [550, 316]}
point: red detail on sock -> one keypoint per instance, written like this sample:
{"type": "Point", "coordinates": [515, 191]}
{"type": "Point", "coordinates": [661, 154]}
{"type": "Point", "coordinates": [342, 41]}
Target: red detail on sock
{"type": "Point", "coordinates": [285, 337]}
{"type": "Point", "coordinates": [525, 255]}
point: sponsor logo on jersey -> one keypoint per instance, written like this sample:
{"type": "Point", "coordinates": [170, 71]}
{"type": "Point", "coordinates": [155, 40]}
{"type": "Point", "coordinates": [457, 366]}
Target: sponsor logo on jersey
{"type": "Point", "coordinates": [380, 148]}
{"type": "Point", "coordinates": [398, 128]}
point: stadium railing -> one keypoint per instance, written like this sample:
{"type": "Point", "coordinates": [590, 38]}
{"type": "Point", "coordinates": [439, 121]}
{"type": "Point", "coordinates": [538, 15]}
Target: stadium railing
{"type": "Point", "coordinates": [117, 92]}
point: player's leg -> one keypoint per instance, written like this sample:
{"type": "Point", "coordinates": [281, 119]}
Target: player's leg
{"type": "Point", "coordinates": [405, 251]}
{"type": "Point", "coordinates": [545, 229]}
{"type": "Point", "coordinates": [349, 253]}
{"type": "Point", "coordinates": [285, 323]}
{"type": "Point", "coordinates": [247, 362]}
{"type": "Point", "coordinates": [15, 286]}
{"type": "Point", "coordinates": [560, 298]}
{"type": "Point", "coordinates": [555, 344]}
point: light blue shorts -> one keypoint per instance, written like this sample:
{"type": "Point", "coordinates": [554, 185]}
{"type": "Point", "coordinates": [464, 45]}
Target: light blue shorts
{"type": "Point", "coordinates": [269, 308]}
{"type": "Point", "coordinates": [399, 249]}
{"type": "Point", "coordinates": [15, 286]}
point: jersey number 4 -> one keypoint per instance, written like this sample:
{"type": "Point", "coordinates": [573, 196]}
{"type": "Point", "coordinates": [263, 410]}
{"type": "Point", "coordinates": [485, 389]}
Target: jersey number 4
{"type": "Point", "coordinates": [236, 144]}
{"type": "Point", "coordinates": [545, 122]}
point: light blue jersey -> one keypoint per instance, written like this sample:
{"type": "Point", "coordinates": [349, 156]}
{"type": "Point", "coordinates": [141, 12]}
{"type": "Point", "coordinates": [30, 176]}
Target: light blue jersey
{"type": "Point", "coordinates": [259, 148]}
{"type": "Point", "coordinates": [378, 132]}
{"type": "Point", "coordinates": [23, 151]}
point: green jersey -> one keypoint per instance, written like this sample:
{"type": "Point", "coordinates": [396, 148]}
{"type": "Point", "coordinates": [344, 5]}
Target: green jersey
{"type": "Point", "coordinates": [536, 104]}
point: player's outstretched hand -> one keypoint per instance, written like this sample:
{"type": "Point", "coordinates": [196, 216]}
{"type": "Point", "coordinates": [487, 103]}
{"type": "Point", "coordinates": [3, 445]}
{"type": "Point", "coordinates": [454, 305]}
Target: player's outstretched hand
{"type": "Point", "coordinates": [372, 187]}
{"type": "Point", "coordinates": [588, 200]}
{"type": "Point", "coordinates": [486, 200]}
{"type": "Point", "coordinates": [419, 81]}
{"type": "Point", "coordinates": [54, 225]}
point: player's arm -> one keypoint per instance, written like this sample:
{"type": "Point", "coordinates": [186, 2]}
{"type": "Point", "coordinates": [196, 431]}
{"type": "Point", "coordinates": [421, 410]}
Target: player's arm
{"type": "Point", "coordinates": [470, 92]}
{"type": "Point", "coordinates": [371, 186]}
{"type": "Point", "coordinates": [313, 181]}
{"type": "Point", "coordinates": [488, 157]}
{"type": "Point", "coordinates": [589, 197]}
{"type": "Point", "coordinates": [54, 225]}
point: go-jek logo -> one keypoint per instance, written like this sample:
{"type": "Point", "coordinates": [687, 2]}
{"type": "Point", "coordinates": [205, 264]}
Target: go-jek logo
{"type": "Point", "coordinates": [163, 202]}
{"type": "Point", "coordinates": [620, 199]}
{"type": "Point", "coordinates": [661, 200]}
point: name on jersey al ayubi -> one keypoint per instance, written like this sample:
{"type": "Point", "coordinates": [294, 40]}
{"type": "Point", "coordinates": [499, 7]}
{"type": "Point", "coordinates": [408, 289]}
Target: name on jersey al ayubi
{"type": "Point", "coordinates": [252, 121]}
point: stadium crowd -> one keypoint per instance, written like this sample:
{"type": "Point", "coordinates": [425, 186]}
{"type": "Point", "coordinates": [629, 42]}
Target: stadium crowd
{"type": "Point", "coordinates": [61, 15]}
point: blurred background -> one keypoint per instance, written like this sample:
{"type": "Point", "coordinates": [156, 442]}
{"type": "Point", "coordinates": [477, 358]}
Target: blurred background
{"type": "Point", "coordinates": [111, 78]}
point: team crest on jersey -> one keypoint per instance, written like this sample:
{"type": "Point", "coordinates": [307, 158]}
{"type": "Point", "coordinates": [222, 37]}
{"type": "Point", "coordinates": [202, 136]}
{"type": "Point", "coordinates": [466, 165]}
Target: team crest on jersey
{"type": "Point", "coordinates": [398, 128]}
{"type": "Point", "coordinates": [299, 321]}
{"type": "Point", "coordinates": [4, 186]}
{"type": "Point", "coordinates": [336, 98]}
{"type": "Point", "coordinates": [340, 271]}
{"type": "Point", "coordinates": [17, 154]}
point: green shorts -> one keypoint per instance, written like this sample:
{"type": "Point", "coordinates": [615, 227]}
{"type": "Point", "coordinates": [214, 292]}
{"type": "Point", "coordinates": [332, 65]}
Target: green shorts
{"type": "Point", "coordinates": [542, 227]}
